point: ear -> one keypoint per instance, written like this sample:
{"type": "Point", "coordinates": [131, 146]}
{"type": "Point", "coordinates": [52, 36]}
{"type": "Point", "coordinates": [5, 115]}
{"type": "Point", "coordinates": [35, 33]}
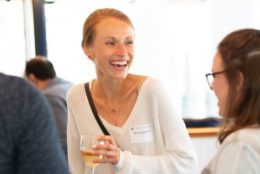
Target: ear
{"type": "Point", "coordinates": [241, 80]}
{"type": "Point", "coordinates": [88, 52]}
{"type": "Point", "coordinates": [32, 78]}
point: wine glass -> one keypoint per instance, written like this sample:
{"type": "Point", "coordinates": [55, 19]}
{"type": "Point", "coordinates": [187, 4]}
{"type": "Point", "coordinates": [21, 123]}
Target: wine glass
{"type": "Point", "coordinates": [86, 144]}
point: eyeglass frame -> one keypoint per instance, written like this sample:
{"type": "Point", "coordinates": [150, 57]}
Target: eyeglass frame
{"type": "Point", "coordinates": [214, 74]}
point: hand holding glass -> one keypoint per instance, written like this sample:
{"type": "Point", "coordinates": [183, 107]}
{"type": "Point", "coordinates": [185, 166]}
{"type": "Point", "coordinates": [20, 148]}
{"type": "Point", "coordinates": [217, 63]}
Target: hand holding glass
{"type": "Point", "coordinates": [87, 142]}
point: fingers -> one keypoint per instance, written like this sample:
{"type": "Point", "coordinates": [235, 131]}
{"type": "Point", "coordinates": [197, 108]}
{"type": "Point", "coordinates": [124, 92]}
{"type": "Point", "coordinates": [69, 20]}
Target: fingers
{"type": "Point", "coordinates": [109, 150]}
{"type": "Point", "coordinates": [106, 138]}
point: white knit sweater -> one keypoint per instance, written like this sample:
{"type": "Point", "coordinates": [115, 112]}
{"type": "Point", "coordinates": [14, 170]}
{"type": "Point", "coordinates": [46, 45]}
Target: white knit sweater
{"type": "Point", "coordinates": [168, 151]}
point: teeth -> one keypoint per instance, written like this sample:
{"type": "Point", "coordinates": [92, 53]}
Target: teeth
{"type": "Point", "coordinates": [119, 62]}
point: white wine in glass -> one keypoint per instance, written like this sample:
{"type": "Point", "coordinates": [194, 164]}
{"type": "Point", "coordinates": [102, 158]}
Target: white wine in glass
{"type": "Point", "coordinates": [86, 144]}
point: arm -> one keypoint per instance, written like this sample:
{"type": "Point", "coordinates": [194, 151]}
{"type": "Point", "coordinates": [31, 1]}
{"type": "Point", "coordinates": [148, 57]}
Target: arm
{"type": "Point", "coordinates": [75, 162]}
{"type": "Point", "coordinates": [175, 153]}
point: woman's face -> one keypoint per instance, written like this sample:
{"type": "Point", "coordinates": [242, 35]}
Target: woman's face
{"type": "Point", "coordinates": [220, 84]}
{"type": "Point", "coordinates": [112, 50]}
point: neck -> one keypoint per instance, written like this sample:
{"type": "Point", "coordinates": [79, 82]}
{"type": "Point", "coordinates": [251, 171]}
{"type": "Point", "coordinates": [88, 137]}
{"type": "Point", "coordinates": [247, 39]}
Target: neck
{"type": "Point", "coordinates": [109, 91]}
{"type": "Point", "coordinates": [110, 95]}
{"type": "Point", "coordinates": [41, 84]}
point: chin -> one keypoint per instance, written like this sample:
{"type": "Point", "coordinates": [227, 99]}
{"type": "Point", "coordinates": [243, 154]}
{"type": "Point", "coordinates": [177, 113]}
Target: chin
{"type": "Point", "coordinates": [122, 76]}
{"type": "Point", "coordinates": [221, 113]}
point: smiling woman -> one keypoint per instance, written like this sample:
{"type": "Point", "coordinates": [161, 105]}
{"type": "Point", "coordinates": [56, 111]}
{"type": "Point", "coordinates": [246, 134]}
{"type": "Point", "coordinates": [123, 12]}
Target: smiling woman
{"type": "Point", "coordinates": [144, 117]}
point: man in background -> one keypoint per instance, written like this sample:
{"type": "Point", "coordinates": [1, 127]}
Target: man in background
{"type": "Point", "coordinates": [28, 135]}
{"type": "Point", "coordinates": [42, 74]}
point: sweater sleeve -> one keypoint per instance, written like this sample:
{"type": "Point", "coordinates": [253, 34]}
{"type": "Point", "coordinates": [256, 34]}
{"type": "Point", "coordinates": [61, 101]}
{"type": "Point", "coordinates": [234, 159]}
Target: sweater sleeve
{"type": "Point", "coordinates": [178, 154]}
{"type": "Point", "coordinates": [75, 163]}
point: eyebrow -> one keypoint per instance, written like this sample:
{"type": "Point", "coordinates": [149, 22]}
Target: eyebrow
{"type": "Point", "coordinates": [111, 37]}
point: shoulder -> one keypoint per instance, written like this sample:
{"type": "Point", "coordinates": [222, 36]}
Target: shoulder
{"type": "Point", "coordinates": [61, 83]}
{"type": "Point", "coordinates": [17, 89]}
{"type": "Point", "coordinates": [152, 85]}
{"type": "Point", "coordinates": [18, 99]}
{"type": "Point", "coordinates": [246, 134]}
{"type": "Point", "coordinates": [12, 82]}
{"type": "Point", "coordinates": [245, 137]}
{"type": "Point", "coordinates": [243, 147]}
{"type": "Point", "coordinates": [144, 83]}
{"type": "Point", "coordinates": [151, 81]}
{"type": "Point", "coordinates": [22, 102]}
{"type": "Point", "coordinates": [58, 85]}
{"type": "Point", "coordinates": [76, 91]}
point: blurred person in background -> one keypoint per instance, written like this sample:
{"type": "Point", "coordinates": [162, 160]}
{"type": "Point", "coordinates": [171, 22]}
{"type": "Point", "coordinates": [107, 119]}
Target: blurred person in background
{"type": "Point", "coordinates": [28, 135]}
{"type": "Point", "coordinates": [42, 74]}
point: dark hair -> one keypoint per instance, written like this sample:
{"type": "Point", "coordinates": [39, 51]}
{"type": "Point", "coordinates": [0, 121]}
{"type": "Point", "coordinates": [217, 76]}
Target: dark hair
{"type": "Point", "coordinates": [42, 69]}
{"type": "Point", "coordinates": [240, 52]}
{"type": "Point", "coordinates": [95, 17]}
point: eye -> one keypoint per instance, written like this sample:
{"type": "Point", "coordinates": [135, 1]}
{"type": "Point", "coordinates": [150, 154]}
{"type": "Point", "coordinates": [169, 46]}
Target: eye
{"type": "Point", "coordinates": [110, 42]}
{"type": "Point", "coordinates": [129, 42]}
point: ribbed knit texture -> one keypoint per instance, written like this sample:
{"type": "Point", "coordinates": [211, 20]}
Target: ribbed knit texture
{"type": "Point", "coordinates": [238, 154]}
{"type": "Point", "coordinates": [29, 142]}
{"type": "Point", "coordinates": [170, 152]}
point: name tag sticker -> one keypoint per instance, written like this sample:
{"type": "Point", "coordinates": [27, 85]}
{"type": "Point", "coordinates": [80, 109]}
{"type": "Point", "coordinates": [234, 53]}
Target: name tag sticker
{"type": "Point", "coordinates": [141, 133]}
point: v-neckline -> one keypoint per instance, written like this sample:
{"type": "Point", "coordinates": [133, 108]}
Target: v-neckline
{"type": "Point", "coordinates": [131, 115]}
{"type": "Point", "coordinates": [128, 120]}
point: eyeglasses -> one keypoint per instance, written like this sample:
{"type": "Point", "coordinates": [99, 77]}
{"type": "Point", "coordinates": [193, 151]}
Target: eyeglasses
{"type": "Point", "coordinates": [210, 77]}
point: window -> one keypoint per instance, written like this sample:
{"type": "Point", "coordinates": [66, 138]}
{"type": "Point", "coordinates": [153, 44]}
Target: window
{"type": "Point", "coordinates": [173, 44]}
{"type": "Point", "coordinates": [178, 49]}
{"type": "Point", "coordinates": [12, 42]}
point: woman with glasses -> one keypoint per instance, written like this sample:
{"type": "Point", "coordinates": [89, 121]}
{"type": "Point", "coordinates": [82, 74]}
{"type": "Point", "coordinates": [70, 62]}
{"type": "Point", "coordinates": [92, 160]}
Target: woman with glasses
{"type": "Point", "coordinates": [235, 79]}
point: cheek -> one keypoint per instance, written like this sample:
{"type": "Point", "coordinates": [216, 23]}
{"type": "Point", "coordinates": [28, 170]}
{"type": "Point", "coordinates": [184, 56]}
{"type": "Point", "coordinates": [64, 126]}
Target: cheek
{"type": "Point", "coordinates": [221, 104]}
{"type": "Point", "coordinates": [131, 56]}
{"type": "Point", "coordinates": [101, 57]}
{"type": "Point", "coordinates": [221, 94]}
{"type": "Point", "coordinates": [100, 64]}
{"type": "Point", "coordinates": [130, 50]}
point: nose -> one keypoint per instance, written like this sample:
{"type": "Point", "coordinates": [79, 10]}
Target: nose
{"type": "Point", "coordinates": [121, 49]}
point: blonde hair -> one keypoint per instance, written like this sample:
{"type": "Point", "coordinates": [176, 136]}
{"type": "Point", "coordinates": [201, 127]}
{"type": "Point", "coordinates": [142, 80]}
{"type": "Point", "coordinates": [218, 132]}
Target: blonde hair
{"type": "Point", "coordinates": [95, 17]}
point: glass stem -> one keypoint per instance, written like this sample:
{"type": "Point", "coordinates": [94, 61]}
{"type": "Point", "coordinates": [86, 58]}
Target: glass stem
{"type": "Point", "coordinates": [92, 170]}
